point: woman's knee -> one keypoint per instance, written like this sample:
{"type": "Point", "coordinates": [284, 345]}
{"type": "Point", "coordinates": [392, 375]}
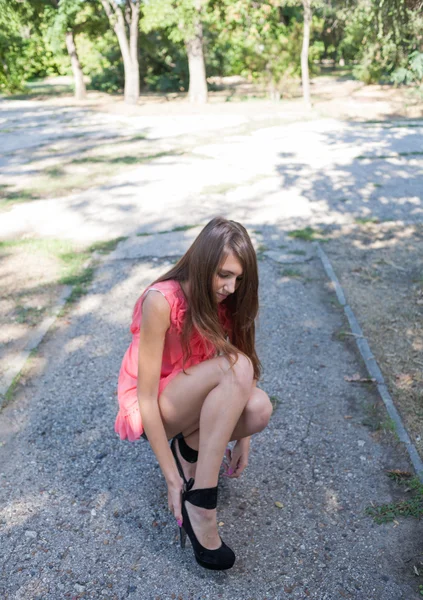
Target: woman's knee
{"type": "Point", "coordinates": [242, 371]}
{"type": "Point", "coordinates": [259, 410]}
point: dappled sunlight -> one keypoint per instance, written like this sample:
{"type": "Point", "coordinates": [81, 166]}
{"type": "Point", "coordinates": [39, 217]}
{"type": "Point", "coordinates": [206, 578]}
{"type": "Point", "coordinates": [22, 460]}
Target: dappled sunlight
{"type": "Point", "coordinates": [332, 503]}
{"type": "Point", "coordinates": [89, 304]}
{"type": "Point", "coordinates": [76, 343]}
{"type": "Point", "coordinates": [17, 512]}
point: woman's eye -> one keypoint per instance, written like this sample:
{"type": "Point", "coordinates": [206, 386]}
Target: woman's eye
{"type": "Point", "coordinates": [222, 276]}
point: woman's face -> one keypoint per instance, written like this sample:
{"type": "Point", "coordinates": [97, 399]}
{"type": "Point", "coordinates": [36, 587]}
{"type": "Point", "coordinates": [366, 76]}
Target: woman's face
{"type": "Point", "coordinates": [227, 277]}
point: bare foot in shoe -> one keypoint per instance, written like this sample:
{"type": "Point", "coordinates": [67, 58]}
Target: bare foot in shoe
{"type": "Point", "coordinates": [203, 522]}
{"type": "Point", "coordinates": [187, 467]}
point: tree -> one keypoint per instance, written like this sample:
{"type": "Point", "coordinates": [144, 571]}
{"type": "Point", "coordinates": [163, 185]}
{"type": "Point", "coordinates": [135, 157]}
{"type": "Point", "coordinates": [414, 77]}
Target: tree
{"type": "Point", "coordinates": [25, 51]}
{"type": "Point", "coordinates": [258, 41]}
{"type": "Point", "coordinates": [197, 91]}
{"type": "Point", "coordinates": [124, 19]}
{"type": "Point", "coordinates": [305, 76]}
{"type": "Point", "coordinates": [184, 20]}
{"type": "Point", "coordinates": [65, 24]}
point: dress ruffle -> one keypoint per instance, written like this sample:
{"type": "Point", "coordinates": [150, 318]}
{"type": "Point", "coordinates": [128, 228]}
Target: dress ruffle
{"type": "Point", "coordinates": [128, 424]}
{"type": "Point", "coordinates": [178, 313]}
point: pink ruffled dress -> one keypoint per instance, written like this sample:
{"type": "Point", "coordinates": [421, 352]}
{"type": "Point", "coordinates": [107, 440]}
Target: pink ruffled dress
{"type": "Point", "coordinates": [128, 421]}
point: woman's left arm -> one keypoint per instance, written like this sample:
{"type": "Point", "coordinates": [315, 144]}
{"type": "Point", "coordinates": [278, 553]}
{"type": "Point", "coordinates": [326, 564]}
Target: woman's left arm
{"type": "Point", "coordinates": [237, 458]}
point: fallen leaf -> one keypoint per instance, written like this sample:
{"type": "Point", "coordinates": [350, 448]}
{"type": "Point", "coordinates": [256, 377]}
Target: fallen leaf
{"type": "Point", "coordinates": [404, 380]}
{"type": "Point", "coordinates": [221, 524]}
{"type": "Point", "coordinates": [396, 523]}
{"type": "Point", "coordinates": [416, 571]}
{"type": "Point", "coordinates": [347, 416]}
{"type": "Point", "coordinates": [356, 378]}
{"type": "Point", "coordinates": [279, 504]}
{"type": "Point", "coordinates": [399, 473]}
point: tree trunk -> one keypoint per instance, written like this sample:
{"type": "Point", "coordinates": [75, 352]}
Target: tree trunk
{"type": "Point", "coordinates": [197, 91]}
{"type": "Point", "coordinates": [304, 53]}
{"type": "Point", "coordinates": [80, 90]}
{"type": "Point", "coordinates": [128, 48]}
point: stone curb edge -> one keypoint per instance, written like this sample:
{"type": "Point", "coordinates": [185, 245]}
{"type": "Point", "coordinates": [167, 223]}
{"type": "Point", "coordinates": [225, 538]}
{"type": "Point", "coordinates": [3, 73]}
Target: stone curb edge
{"type": "Point", "coordinates": [371, 365]}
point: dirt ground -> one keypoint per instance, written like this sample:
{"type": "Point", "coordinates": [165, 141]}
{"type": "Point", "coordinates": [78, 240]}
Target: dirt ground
{"type": "Point", "coordinates": [380, 267]}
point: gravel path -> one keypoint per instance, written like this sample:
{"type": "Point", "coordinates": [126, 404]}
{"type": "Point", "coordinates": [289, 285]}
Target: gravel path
{"type": "Point", "coordinates": [84, 515]}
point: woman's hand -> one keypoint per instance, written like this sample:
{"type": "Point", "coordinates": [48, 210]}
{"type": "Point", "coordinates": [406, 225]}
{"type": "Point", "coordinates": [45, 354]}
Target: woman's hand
{"type": "Point", "coordinates": [237, 458]}
{"type": "Point", "coordinates": [174, 493]}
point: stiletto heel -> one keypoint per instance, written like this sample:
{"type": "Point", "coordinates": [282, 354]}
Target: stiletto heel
{"type": "Point", "coordinates": [187, 453]}
{"type": "Point", "coordinates": [183, 537]}
{"type": "Point", "coordinates": [219, 559]}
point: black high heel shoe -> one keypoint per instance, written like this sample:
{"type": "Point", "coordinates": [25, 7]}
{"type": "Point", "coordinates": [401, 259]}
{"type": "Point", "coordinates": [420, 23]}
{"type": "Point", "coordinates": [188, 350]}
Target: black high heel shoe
{"type": "Point", "coordinates": [223, 557]}
{"type": "Point", "coordinates": [187, 453]}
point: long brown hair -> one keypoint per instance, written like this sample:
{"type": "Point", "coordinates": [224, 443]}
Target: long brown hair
{"type": "Point", "coordinates": [199, 265]}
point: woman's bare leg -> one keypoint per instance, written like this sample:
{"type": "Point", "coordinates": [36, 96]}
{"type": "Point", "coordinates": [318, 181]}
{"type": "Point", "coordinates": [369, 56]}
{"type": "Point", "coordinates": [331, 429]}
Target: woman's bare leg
{"type": "Point", "coordinates": [200, 398]}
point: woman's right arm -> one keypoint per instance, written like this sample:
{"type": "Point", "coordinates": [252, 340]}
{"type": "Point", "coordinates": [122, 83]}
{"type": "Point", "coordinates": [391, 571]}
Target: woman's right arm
{"type": "Point", "coordinates": [154, 324]}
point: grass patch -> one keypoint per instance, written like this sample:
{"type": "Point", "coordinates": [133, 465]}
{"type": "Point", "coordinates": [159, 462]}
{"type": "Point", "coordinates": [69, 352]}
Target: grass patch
{"type": "Point", "coordinates": [70, 177]}
{"type": "Point", "coordinates": [219, 189]}
{"type": "Point", "coordinates": [55, 172]}
{"type": "Point", "coordinates": [307, 234]}
{"type": "Point", "coordinates": [373, 416]}
{"type": "Point", "coordinates": [15, 196]}
{"type": "Point", "coordinates": [385, 156]}
{"type": "Point", "coordinates": [412, 507]}
{"type": "Point", "coordinates": [80, 283]}
{"type": "Point", "coordinates": [29, 315]}
{"type": "Point", "coordinates": [178, 228]}
{"type": "Point", "coordinates": [262, 248]}
{"type": "Point", "coordinates": [290, 273]}
{"type": "Point", "coordinates": [297, 252]}
{"type": "Point", "coordinates": [341, 335]}
{"type": "Point", "coordinates": [366, 220]}
{"type": "Point", "coordinates": [8, 397]}
{"type": "Point", "coordinates": [275, 402]}
{"type": "Point", "coordinates": [120, 160]}
{"type": "Point", "coordinates": [106, 247]}
{"type": "Point", "coordinates": [144, 234]}
{"type": "Point", "coordinates": [73, 269]}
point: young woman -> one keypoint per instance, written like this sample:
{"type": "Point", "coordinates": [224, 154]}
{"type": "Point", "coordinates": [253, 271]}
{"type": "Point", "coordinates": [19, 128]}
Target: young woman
{"type": "Point", "coordinates": [190, 374]}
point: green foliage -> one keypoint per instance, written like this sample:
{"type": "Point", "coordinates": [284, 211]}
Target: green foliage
{"type": "Point", "coordinates": [178, 18]}
{"type": "Point", "coordinates": [101, 59]}
{"type": "Point", "coordinates": [260, 40]}
{"type": "Point", "coordinates": [379, 37]}
{"type": "Point", "coordinates": [164, 65]}
{"type": "Point", "coordinates": [412, 73]}
{"type": "Point", "coordinates": [25, 51]}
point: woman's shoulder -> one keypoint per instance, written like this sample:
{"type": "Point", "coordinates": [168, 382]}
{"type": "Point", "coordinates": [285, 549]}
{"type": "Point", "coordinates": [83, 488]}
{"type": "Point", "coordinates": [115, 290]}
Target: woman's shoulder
{"type": "Point", "coordinates": [167, 288]}
{"type": "Point", "coordinates": [170, 290]}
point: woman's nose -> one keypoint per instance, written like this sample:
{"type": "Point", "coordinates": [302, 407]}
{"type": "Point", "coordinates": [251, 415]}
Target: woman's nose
{"type": "Point", "coordinates": [231, 286]}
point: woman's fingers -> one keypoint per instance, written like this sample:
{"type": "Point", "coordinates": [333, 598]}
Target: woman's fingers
{"type": "Point", "coordinates": [174, 502]}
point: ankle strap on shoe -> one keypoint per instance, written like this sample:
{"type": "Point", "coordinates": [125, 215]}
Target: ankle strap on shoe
{"type": "Point", "coordinates": [202, 497]}
{"type": "Point", "coordinates": [187, 453]}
